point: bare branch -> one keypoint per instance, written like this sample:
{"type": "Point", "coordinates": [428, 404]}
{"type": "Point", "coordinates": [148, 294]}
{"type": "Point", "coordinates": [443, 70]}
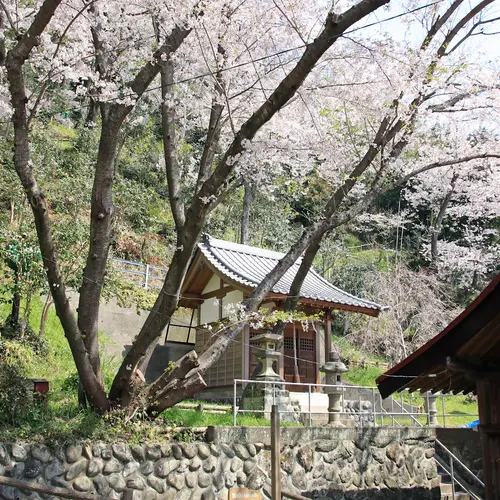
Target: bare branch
{"type": "Point", "coordinates": [440, 22]}
{"type": "Point", "coordinates": [471, 33]}
{"type": "Point", "coordinates": [460, 25]}
{"type": "Point", "coordinates": [9, 18]}
{"type": "Point", "coordinates": [168, 125]}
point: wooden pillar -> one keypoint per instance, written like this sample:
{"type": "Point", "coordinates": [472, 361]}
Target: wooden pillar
{"type": "Point", "coordinates": [328, 335]}
{"type": "Point", "coordinates": [296, 375]}
{"type": "Point", "coordinates": [317, 359]}
{"type": "Point", "coordinates": [281, 359]}
{"type": "Point", "coordinates": [488, 393]}
{"type": "Point", "coordinates": [245, 347]}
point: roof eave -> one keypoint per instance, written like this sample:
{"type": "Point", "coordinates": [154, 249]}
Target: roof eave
{"type": "Point", "coordinates": [462, 328]}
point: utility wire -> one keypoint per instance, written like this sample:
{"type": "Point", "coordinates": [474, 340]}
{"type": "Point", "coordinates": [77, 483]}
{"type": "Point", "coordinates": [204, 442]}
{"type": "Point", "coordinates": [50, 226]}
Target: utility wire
{"type": "Point", "coordinates": [252, 61]}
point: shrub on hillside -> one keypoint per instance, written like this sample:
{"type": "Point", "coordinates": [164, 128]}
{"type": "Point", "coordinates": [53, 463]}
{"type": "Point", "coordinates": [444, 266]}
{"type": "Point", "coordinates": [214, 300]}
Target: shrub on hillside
{"type": "Point", "coordinates": [15, 396]}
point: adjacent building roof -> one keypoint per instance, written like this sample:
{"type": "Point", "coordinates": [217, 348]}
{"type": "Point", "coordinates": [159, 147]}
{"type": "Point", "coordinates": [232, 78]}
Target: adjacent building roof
{"type": "Point", "coordinates": [248, 266]}
{"type": "Point", "coordinates": [469, 344]}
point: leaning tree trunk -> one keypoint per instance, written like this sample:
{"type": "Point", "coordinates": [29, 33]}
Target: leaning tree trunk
{"type": "Point", "coordinates": [16, 58]}
{"type": "Point", "coordinates": [245, 216]}
{"type": "Point", "coordinates": [438, 223]}
{"type": "Point", "coordinates": [45, 314]}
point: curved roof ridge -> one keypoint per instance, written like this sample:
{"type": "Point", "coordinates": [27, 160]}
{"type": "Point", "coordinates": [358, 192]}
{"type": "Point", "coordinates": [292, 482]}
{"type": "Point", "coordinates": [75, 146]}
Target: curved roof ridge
{"type": "Point", "coordinates": [238, 247]}
{"type": "Point", "coordinates": [249, 265]}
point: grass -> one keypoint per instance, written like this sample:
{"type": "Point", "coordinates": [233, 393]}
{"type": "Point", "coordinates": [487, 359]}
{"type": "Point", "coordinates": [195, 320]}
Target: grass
{"type": "Point", "coordinates": [456, 408]}
{"type": "Point", "coordinates": [61, 420]}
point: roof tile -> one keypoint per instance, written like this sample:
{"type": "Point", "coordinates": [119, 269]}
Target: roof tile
{"type": "Point", "coordinates": [249, 265]}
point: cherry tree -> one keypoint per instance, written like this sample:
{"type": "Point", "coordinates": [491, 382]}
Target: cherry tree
{"type": "Point", "coordinates": [271, 89]}
{"type": "Point", "coordinates": [462, 205]}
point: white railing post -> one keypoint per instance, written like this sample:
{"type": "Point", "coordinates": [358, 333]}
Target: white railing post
{"type": "Point", "coordinates": [147, 276]}
{"type": "Point", "coordinates": [309, 401]}
{"type": "Point", "coordinates": [452, 474]}
{"type": "Point", "coordinates": [234, 404]}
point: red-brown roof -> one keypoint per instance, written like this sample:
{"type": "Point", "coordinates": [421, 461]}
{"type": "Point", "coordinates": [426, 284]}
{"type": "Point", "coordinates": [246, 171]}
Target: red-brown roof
{"type": "Point", "coordinates": [474, 335]}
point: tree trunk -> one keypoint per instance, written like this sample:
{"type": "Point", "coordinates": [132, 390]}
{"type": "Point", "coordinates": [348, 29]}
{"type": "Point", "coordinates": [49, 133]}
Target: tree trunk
{"type": "Point", "coordinates": [45, 314]}
{"type": "Point", "coordinates": [438, 223]}
{"type": "Point", "coordinates": [245, 216]}
{"type": "Point", "coordinates": [15, 61]}
{"type": "Point", "coordinates": [101, 228]}
{"type": "Point", "coordinates": [16, 307]}
{"type": "Point", "coordinates": [293, 298]}
{"type": "Point", "coordinates": [165, 305]}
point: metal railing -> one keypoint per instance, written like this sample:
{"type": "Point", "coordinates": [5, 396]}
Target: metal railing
{"type": "Point", "coordinates": [376, 414]}
{"type": "Point", "coordinates": [137, 273]}
{"type": "Point", "coordinates": [449, 466]}
{"type": "Point", "coordinates": [365, 404]}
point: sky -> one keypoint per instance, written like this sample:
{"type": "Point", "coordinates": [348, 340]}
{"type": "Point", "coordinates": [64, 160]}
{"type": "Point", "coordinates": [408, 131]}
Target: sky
{"type": "Point", "coordinates": [409, 27]}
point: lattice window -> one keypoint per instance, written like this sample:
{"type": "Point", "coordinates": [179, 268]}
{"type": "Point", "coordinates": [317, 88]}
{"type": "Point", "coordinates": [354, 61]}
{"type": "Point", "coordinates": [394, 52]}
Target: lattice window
{"type": "Point", "coordinates": [288, 343]}
{"type": "Point", "coordinates": [306, 345]}
{"type": "Point", "coordinates": [254, 344]}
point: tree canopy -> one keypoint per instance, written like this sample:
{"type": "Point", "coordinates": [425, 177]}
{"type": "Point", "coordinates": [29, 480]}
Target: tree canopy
{"type": "Point", "coordinates": [313, 108]}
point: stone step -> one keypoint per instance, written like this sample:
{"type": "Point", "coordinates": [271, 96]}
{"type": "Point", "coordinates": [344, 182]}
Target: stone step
{"type": "Point", "coordinates": [447, 492]}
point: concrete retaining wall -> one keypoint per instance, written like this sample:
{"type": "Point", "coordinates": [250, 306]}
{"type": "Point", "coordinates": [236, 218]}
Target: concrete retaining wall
{"type": "Point", "coordinates": [322, 463]}
{"type": "Point", "coordinates": [120, 325]}
{"type": "Point", "coordinates": [466, 445]}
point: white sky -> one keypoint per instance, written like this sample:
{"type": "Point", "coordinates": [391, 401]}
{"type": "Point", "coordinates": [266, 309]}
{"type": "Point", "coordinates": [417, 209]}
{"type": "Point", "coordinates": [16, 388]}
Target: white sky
{"type": "Point", "coordinates": [409, 27]}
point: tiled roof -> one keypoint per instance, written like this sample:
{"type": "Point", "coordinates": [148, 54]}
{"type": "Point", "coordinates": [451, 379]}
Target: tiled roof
{"type": "Point", "coordinates": [249, 265]}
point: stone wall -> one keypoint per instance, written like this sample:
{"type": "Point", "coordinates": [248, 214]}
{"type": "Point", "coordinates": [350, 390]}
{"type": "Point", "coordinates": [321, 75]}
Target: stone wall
{"type": "Point", "coordinates": [466, 445]}
{"type": "Point", "coordinates": [321, 463]}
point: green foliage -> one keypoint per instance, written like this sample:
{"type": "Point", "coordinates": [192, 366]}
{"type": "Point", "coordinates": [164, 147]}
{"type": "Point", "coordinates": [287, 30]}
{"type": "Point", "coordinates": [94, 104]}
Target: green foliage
{"type": "Point", "coordinates": [363, 376]}
{"type": "Point", "coordinates": [15, 357]}
{"type": "Point", "coordinates": [128, 294]}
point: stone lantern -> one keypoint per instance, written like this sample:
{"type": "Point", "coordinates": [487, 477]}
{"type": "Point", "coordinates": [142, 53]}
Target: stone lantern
{"type": "Point", "coordinates": [334, 369]}
{"type": "Point", "coordinates": [262, 397]}
{"type": "Point", "coordinates": [431, 408]}
{"type": "Point", "coordinates": [268, 353]}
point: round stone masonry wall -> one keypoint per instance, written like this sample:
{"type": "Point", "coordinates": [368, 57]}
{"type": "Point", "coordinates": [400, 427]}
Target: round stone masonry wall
{"type": "Point", "coordinates": [316, 462]}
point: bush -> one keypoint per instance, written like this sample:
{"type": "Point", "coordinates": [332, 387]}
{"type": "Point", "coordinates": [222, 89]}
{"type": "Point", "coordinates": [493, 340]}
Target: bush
{"type": "Point", "coordinates": [15, 396]}
{"type": "Point", "coordinates": [26, 336]}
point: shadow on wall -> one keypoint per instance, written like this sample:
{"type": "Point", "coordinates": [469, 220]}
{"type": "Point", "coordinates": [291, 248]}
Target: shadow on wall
{"type": "Point", "coordinates": [162, 356]}
{"type": "Point", "coordinates": [416, 493]}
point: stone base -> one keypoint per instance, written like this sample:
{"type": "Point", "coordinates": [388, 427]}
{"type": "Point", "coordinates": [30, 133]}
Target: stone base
{"type": "Point", "coordinates": [263, 396]}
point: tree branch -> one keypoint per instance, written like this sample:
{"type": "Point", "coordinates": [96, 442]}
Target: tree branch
{"type": "Point", "coordinates": [436, 229]}
{"type": "Point", "coordinates": [334, 27]}
{"type": "Point", "coordinates": [214, 125]}
{"type": "Point", "coordinates": [461, 24]}
{"type": "Point", "coordinates": [168, 133]}
{"type": "Point", "coordinates": [440, 22]}
{"type": "Point", "coordinates": [49, 74]}
{"type": "Point", "coordinates": [148, 73]}
{"type": "Point", "coordinates": [471, 33]}
{"type": "Point", "coordinates": [15, 61]}
{"type": "Point", "coordinates": [375, 193]}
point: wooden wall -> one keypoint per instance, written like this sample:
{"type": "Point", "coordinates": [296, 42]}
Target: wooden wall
{"type": "Point", "coordinates": [229, 366]}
